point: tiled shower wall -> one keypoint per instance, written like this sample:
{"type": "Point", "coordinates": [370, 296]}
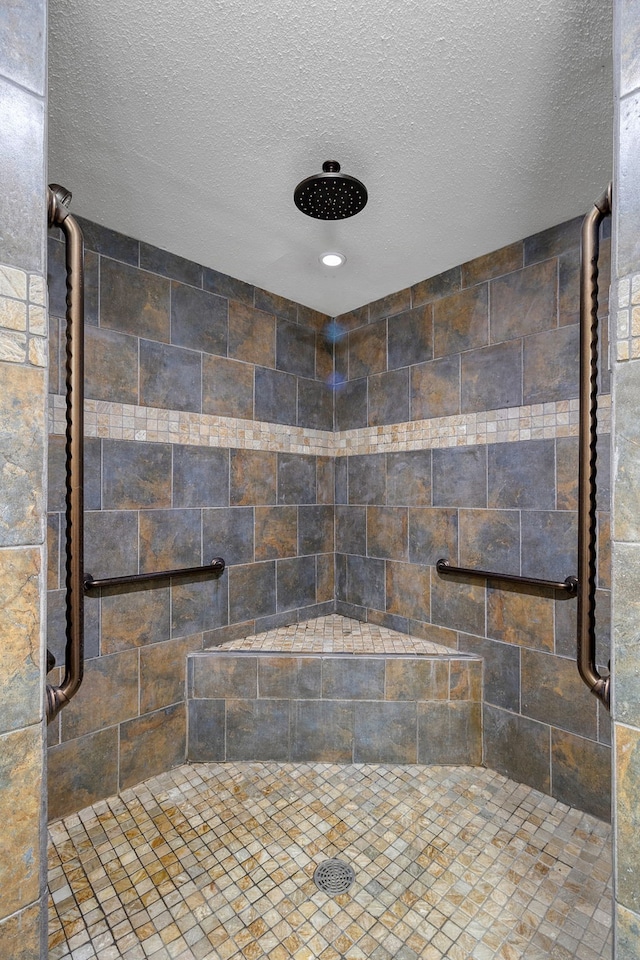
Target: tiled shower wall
{"type": "Point", "coordinates": [208, 416]}
{"type": "Point", "coordinates": [211, 433]}
{"type": "Point", "coordinates": [491, 490]}
{"type": "Point", "coordinates": [23, 331]}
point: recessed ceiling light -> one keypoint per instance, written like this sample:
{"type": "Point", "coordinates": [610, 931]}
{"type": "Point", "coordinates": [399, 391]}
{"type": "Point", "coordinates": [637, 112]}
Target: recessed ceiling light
{"type": "Point", "coordinates": [332, 259]}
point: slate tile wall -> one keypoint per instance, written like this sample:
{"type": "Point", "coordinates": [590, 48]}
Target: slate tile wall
{"type": "Point", "coordinates": [498, 332]}
{"type": "Point", "coordinates": [165, 332]}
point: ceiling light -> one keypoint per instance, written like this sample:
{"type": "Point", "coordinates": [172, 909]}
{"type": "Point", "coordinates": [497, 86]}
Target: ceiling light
{"type": "Point", "coordinates": [332, 259]}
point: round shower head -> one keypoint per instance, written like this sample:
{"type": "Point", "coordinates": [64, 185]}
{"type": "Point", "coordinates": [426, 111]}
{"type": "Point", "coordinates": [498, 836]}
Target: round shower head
{"type": "Point", "coordinates": [330, 195]}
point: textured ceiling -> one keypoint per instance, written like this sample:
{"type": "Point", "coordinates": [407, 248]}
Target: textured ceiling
{"type": "Point", "coordinates": [472, 124]}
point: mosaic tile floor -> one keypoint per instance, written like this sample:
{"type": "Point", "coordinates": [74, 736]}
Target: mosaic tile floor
{"type": "Point", "coordinates": [215, 862]}
{"type": "Point", "coordinates": [336, 634]}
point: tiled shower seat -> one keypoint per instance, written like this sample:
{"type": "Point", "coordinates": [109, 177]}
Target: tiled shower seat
{"type": "Point", "coordinates": [335, 690]}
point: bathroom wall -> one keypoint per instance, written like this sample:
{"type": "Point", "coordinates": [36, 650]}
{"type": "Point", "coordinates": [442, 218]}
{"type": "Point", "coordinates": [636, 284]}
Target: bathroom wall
{"type": "Point", "coordinates": [23, 331]}
{"type": "Point", "coordinates": [209, 428]}
{"type": "Point", "coordinates": [457, 420]}
{"type": "Point", "coordinates": [626, 515]}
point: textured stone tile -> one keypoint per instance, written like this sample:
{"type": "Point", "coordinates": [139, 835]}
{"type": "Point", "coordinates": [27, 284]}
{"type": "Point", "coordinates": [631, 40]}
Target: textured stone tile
{"type": "Point", "coordinates": [490, 540]}
{"type": "Point", "coordinates": [604, 551]}
{"type": "Point", "coordinates": [57, 282]}
{"type": "Point", "coordinates": [366, 478]}
{"type": "Point", "coordinates": [295, 349]}
{"type": "Point", "coordinates": [253, 477]}
{"type": "Point", "coordinates": [228, 533]}
{"type": "Point", "coordinates": [569, 286]}
{"type": "Point", "coordinates": [627, 928]}
{"type": "Point", "coordinates": [200, 476]}
{"type": "Point", "coordinates": [442, 285]}
{"type": "Point", "coordinates": [315, 405]}
{"type": "Point", "coordinates": [410, 337]}
{"type": "Point", "coordinates": [82, 771]}
{"type": "Point", "coordinates": [366, 582]}
{"type": "Point", "coordinates": [321, 731]}
{"type": "Point", "coordinates": [21, 781]}
{"type": "Point", "coordinates": [295, 583]}
{"type": "Point", "coordinates": [207, 733]}
{"type": "Point", "coordinates": [23, 45]}
{"type": "Point", "coordinates": [408, 590]}
{"type": "Point", "coordinates": [351, 529]}
{"type": "Point", "coordinates": [22, 446]}
{"type": "Point", "coordinates": [276, 532]}
{"type": "Point", "coordinates": [257, 730]}
{"type": "Point", "coordinates": [465, 679]}
{"type": "Point", "coordinates": [198, 604]}
{"type": "Point", "coordinates": [290, 678]}
{"type": "Point", "coordinates": [169, 539]}
{"type": "Point", "coordinates": [627, 784]}
{"type": "Point", "coordinates": [296, 478]}
{"type": "Point", "coordinates": [273, 303]}
{"type": "Point", "coordinates": [627, 193]}
{"type": "Point", "coordinates": [252, 591]}
{"type": "Point", "coordinates": [389, 397]}
{"type": "Point", "coordinates": [460, 477]}
{"type": "Point", "coordinates": [520, 616]}
{"type": "Point", "coordinates": [351, 405]}
{"type": "Point", "coordinates": [409, 478]}
{"type": "Point", "coordinates": [108, 695]}
{"type": "Point", "coordinates": [390, 305]}
{"type": "Point", "coordinates": [551, 362]}
{"type": "Point", "coordinates": [517, 747]}
{"type": "Point", "coordinates": [521, 475]}
{"type": "Point", "coordinates": [134, 618]}
{"type": "Point", "coordinates": [252, 335]}
{"type": "Point", "coordinates": [223, 675]}
{"type": "Point", "coordinates": [360, 678]}
{"type": "Point", "coordinates": [387, 532]}
{"type": "Point", "coordinates": [458, 604]}
{"type": "Point", "coordinates": [199, 320]}
{"type": "Point", "coordinates": [162, 672]}
{"type": "Point", "coordinates": [416, 679]}
{"type": "Point", "coordinates": [450, 732]}
{"type": "Point", "coordinates": [326, 480]}
{"type": "Point", "coordinates": [152, 744]}
{"type": "Point", "coordinates": [501, 670]}
{"type": "Point", "coordinates": [21, 935]}
{"type": "Point", "coordinates": [111, 544]}
{"type": "Point", "coordinates": [53, 551]}
{"type": "Point", "coordinates": [626, 614]}
{"type": "Point", "coordinates": [385, 733]}
{"type": "Point", "coordinates": [56, 625]}
{"type": "Point", "coordinates": [567, 473]}
{"type": "Point", "coordinates": [20, 651]}
{"type": "Point", "coordinates": [136, 475]}
{"type": "Point", "coordinates": [133, 301]}
{"type": "Point", "coordinates": [275, 397]}
{"type": "Point", "coordinates": [315, 529]}
{"type": "Point", "coordinates": [524, 302]}
{"type": "Point", "coordinates": [23, 123]}
{"type": "Point", "coordinates": [170, 265]}
{"type": "Point", "coordinates": [549, 544]}
{"type": "Point", "coordinates": [553, 692]}
{"type": "Point", "coordinates": [227, 387]}
{"type": "Point", "coordinates": [553, 241]}
{"type": "Point", "coordinates": [490, 265]}
{"type": "Point", "coordinates": [170, 377]}
{"type": "Point", "coordinates": [435, 388]}
{"type": "Point", "coordinates": [491, 377]}
{"type": "Point", "coordinates": [341, 480]}
{"type": "Point", "coordinates": [109, 243]}
{"type": "Point", "coordinates": [581, 773]}
{"type": "Point", "coordinates": [461, 322]}
{"type": "Point", "coordinates": [626, 522]}
{"type": "Point", "coordinates": [325, 578]}
{"type": "Point", "coordinates": [226, 286]}
{"type": "Point", "coordinates": [433, 533]}
{"type": "Point", "coordinates": [367, 348]}
{"type": "Point", "coordinates": [111, 366]}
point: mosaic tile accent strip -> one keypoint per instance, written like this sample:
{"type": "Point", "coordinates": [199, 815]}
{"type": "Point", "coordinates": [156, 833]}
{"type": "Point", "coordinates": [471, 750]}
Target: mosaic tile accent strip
{"type": "Point", "coordinates": [122, 421]}
{"type": "Point", "coordinates": [628, 318]}
{"type": "Point", "coordinates": [23, 325]}
{"type": "Point", "coordinates": [336, 634]}
{"type": "Point", "coordinates": [216, 862]}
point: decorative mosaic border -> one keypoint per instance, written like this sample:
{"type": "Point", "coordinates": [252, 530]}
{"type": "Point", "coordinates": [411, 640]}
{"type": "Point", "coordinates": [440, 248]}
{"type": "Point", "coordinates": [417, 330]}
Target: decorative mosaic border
{"type": "Point", "coordinates": [23, 318]}
{"type": "Point", "coordinates": [628, 319]}
{"type": "Point", "coordinates": [122, 421]}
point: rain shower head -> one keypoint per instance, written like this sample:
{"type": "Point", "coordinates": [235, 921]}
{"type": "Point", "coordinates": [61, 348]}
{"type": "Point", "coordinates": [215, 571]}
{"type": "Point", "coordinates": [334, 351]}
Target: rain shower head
{"type": "Point", "coordinates": [330, 195]}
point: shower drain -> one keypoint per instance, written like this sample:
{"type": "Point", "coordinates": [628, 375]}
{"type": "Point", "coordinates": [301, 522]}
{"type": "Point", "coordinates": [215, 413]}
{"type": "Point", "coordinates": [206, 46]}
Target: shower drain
{"type": "Point", "coordinates": [333, 877]}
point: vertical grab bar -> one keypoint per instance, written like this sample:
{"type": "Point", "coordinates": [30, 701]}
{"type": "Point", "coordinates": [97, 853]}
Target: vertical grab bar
{"type": "Point", "coordinates": [58, 214]}
{"type": "Point", "coordinates": [586, 637]}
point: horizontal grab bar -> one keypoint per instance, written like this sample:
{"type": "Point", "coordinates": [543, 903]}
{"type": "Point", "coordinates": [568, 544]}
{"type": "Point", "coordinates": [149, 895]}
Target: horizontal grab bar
{"type": "Point", "coordinates": [216, 567]}
{"type": "Point", "coordinates": [570, 585]}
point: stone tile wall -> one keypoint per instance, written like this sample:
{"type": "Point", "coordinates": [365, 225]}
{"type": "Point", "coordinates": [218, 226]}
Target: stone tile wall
{"type": "Point", "coordinates": [23, 343]}
{"type": "Point", "coordinates": [498, 334]}
{"type": "Point", "coordinates": [187, 373]}
{"type": "Point", "coordinates": [626, 482]}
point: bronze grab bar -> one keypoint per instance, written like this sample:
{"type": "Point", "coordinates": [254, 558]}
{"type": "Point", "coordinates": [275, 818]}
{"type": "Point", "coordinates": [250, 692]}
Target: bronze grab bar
{"type": "Point", "coordinates": [586, 638]}
{"type": "Point", "coordinates": [216, 567]}
{"type": "Point", "coordinates": [58, 215]}
{"type": "Point", "coordinates": [569, 585]}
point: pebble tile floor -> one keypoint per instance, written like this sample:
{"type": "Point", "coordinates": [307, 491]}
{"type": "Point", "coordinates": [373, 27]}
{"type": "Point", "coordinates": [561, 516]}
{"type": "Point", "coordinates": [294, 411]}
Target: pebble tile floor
{"type": "Point", "coordinates": [216, 862]}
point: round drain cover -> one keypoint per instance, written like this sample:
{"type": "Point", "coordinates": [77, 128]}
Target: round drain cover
{"type": "Point", "coordinates": [333, 877]}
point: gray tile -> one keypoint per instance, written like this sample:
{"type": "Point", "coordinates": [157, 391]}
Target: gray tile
{"type": "Point", "coordinates": [553, 692]}
{"type": "Point", "coordinates": [492, 377]}
{"type": "Point", "coordinates": [136, 475]}
{"type": "Point", "coordinates": [581, 773]}
{"type": "Point", "coordinates": [368, 350]}
{"type": "Point", "coordinates": [501, 670]}
{"type": "Point", "coordinates": [289, 678]}
{"type": "Point", "coordinates": [385, 733]}
{"type": "Point", "coordinates": [275, 396]}
{"type": "Point", "coordinates": [351, 405]}
{"type": "Point", "coordinates": [409, 478]}
{"type": "Point", "coordinates": [549, 544]}
{"type": "Point", "coordinates": [257, 730]}
{"type": "Point", "coordinates": [450, 732]}
{"type": "Point", "coordinates": [133, 301]}
{"type": "Point", "coordinates": [170, 265]}
{"type": "Point", "coordinates": [226, 286]}
{"type": "Point", "coordinates": [517, 747]}
{"type": "Point", "coordinates": [111, 366]}
{"type": "Point", "coordinates": [460, 477]}
{"type": "Point", "coordinates": [170, 539]}
{"type": "Point", "coordinates": [433, 534]}
{"type": "Point", "coordinates": [341, 480]}
{"type": "Point", "coordinates": [626, 690]}
{"type": "Point", "coordinates": [351, 529]}
{"type": "Point", "coordinates": [296, 478]}
{"type": "Point", "coordinates": [221, 676]}
{"type": "Point", "coordinates": [629, 36]}
{"type": "Point", "coordinates": [366, 582]}
{"type": "Point", "coordinates": [227, 532]}
{"type": "Point", "coordinates": [272, 303]}
{"type": "Point", "coordinates": [367, 478]}
{"type": "Point", "coordinates": [206, 731]}
{"type": "Point", "coordinates": [199, 320]}
{"type": "Point", "coordinates": [170, 377]}
{"type": "Point", "coordinates": [524, 302]}
{"type": "Point", "coordinates": [458, 604]}
{"type": "Point", "coordinates": [315, 529]}
{"type": "Point", "coordinates": [410, 338]}
{"type": "Point", "coordinates": [551, 362]}
{"type": "Point", "coordinates": [353, 678]}
{"type": "Point", "coordinates": [252, 591]}
{"type": "Point", "coordinates": [200, 476]}
{"type": "Point", "coordinates": [295, 349]}
{"type": "Point", "coordinates": [521, 475]}
{"type": "Point", "coordinates": [321, 731]}
{"type": "Point", "coordinates": [390, 305]}
{"type": "Point", "coordinates": [389, 397]}
{"type": "Point", "coordinates": [23, 44]}
{"type": "Point", "coordinates": [461, 322]}
{"type": "Point", "coordinates": [151, 744]}
{"type": "Point", "coordinates": [435, 388]}
{"type": "Point", "coordinates": [198, 605]}
{"type": "Point", "coordinates": [552, 242]}
{"type": "Point", "coordinates": [442, 285]}
{"type": "Point", "coordinates": [22, 121]}
{"type": "Point", "coordinates": [315, 405]}
{"type": "Point", "coordinates": [295, 583]}
{"type": "Point", "coordinates": [490, 540]}
{"type": "Point", "coordinates": [111, 543]}
{"type": "Point", "coordinates": [626, 522]}
{"type": "Point", "coordinates": [419, 678]}
{"type": "Point", "coordinates": [227, 387]}
{"type": "Point", "coordinates": [110, 243]}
